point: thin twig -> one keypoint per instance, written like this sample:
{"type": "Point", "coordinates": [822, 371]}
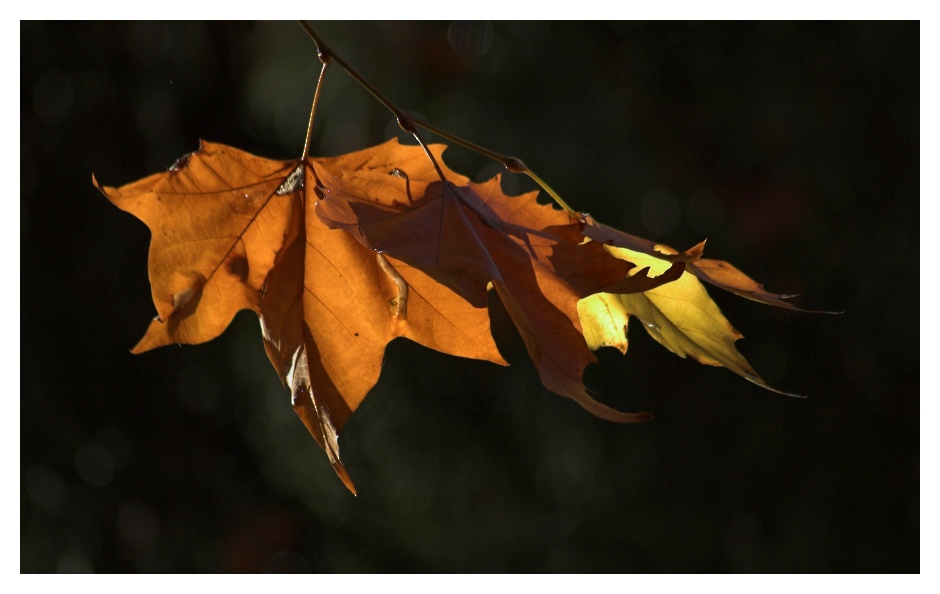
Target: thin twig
{"type": "Point", "coordinates": [405, 121]}
{"type": "Point", "coordinates": [512, 164]}
{"type": "Point", "coordinates": [410, 124]}
{"type": "Point", "coordinates": [327, 54]}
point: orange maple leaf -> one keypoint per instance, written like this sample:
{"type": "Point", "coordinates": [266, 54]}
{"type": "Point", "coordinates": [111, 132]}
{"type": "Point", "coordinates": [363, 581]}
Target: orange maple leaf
{"type": "Point", "coordinates": [339, 256]}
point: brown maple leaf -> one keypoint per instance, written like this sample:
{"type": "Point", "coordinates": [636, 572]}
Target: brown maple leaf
{"type": "Point", "coordinates": [467, 237]}
{"type": "Point", "coordinates": [339, 256]}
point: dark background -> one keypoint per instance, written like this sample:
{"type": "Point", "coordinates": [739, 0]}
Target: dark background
{"type": "Point", "coordinates": [793, 147]}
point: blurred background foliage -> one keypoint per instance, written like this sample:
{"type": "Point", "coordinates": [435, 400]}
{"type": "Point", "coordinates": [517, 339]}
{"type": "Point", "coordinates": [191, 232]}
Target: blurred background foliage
{"type": "Point", "coordinates": [793, 147]}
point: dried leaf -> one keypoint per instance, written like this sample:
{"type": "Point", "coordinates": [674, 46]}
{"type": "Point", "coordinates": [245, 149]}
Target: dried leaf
{"type": "Point", "coordinates": [339, 256]}
{"type": "Point", "coordinates": [470, 236]}
{"type": "Point", "coordinates": [679, 315]}
{"type": "Point", "coordinates": [383, 249]}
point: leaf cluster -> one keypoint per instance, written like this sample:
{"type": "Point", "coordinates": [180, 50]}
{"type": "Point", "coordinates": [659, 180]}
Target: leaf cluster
{"type": "Point", "coordinates": [338, 256]}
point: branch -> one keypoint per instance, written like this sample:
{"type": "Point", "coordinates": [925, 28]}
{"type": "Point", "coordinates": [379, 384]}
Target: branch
{"type": "Point", "coordinates": [410, 124]}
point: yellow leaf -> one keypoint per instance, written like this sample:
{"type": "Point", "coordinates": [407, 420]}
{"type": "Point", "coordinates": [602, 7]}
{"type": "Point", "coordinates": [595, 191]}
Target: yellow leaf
{"type": "Point", "coordinates": [679, 315]}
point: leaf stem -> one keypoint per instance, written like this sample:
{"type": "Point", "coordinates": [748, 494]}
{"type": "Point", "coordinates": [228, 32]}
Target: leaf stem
{"type": "Point", "coordinates": [313, 109]}
{"type": "Point", "coordinates": [555, 196]}
{"type": "Point", "coordinates": [512, 164]}
{"type": "Point", "coordinates": [405, 121]}
{"type": "Point", "coordinates": [410, 124]}
{"type": "Point", "coordinates": [327, 54]}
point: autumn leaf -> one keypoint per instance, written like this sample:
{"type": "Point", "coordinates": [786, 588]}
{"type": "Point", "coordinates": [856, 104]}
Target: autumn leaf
{"type": "Point", "coordinates": [469, 236]}
{"type": "Point", "coordinates": [715, 272]}
{"type": "Point", "coordinates": [340, 256]}
{"type": "Point", "coordinates": [679, 315]}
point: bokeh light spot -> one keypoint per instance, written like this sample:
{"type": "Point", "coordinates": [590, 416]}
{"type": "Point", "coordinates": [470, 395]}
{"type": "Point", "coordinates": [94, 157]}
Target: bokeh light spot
{"type": "Point", "coordinates": [94, 465]}
{"type": "Point", "coordinates": [471, 39]}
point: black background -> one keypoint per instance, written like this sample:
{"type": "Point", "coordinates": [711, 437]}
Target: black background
{"type": "Point", "coordinates": [793, 147]}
